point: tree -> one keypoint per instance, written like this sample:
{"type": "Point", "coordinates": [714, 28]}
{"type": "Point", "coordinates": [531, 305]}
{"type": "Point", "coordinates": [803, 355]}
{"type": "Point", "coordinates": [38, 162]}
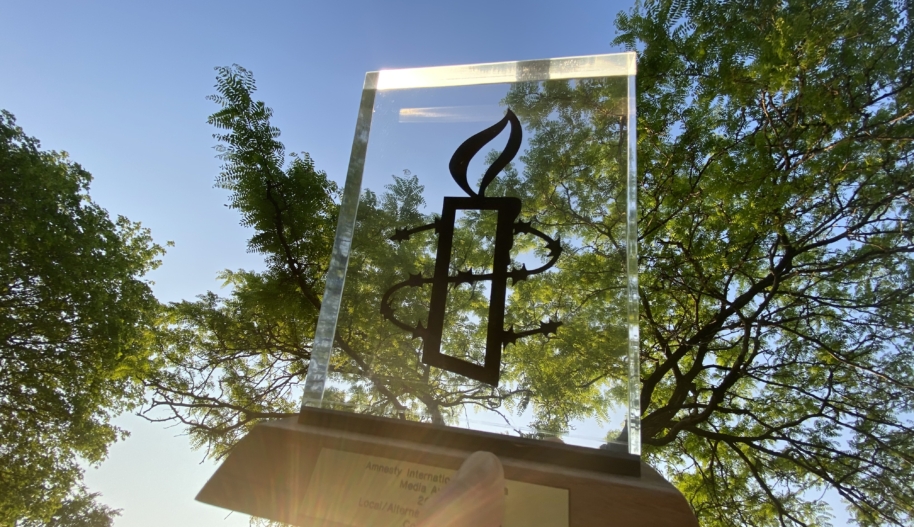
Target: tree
{"type": "Point", "coordinates": [233, 361]}
{"type": "Point", "coordinates": [75, 319]}
{"type": "Point", "coordinates": [776, 270]}
{"type": "Point", "coordinates": [77, 510]}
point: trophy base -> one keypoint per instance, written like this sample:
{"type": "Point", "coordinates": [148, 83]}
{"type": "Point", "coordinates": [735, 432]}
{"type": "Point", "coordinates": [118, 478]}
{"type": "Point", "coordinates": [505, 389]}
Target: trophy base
{"type": "Point", "coordinates": [337, 469]}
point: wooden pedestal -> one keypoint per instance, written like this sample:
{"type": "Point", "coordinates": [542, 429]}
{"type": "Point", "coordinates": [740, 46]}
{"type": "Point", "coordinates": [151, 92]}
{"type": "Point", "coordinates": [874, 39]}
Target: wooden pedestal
{"type": "Point", "coordinates": [268, 473]}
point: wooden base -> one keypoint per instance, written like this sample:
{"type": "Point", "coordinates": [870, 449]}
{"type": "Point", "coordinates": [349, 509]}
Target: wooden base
{"type": "Point", "coordinates": [268, 473]}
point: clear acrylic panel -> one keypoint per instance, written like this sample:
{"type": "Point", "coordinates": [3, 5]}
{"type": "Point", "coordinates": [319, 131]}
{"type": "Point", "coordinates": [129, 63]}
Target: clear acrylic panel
{"type": "Point", "coordinates": [489, 283]}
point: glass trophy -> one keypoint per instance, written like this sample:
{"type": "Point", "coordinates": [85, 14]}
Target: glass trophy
{"type": "Point", "coordinates": [482, 294]}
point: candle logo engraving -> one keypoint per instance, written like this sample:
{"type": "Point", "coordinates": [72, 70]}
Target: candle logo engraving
{"type": "Point", "coordinates": [507, 209]}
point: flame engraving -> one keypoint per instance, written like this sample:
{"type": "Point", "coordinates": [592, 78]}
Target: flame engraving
{"type": "Point", "coordinates": [465, 152]}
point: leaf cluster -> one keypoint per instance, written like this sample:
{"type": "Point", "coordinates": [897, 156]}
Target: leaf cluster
{"type": "Point", "coordinates": [228, 362]}
{"type": "Point", "coordinates": [775, 242]}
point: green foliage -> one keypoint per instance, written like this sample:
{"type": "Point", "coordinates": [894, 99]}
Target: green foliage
{"type": "Point", "coordinates": [74, 318]}
{"type": "Point", "coordinates": [258, 341]}
{"type": "Point", "coordinates": [79, 509]}
{"type": "Point", "coordinates": [236, 360]}
{"type": "Point", "coordinates": [252, 348]}
{"type": "Point", "coordinates": [775, 154]}
{"type": "Point", "coordinates": [574, 181]}
{"type": "Point", "coordinates": [292, 210]}
{"type": "Point", "coordinates": [233, 361]}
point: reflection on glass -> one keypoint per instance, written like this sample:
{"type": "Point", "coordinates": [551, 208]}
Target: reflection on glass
{"type": "Point", "coordinates": [565, 374]}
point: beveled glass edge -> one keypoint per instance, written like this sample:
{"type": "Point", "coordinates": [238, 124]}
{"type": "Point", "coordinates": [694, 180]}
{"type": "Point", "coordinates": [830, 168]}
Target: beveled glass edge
{"type": "Point", "coordinates": [631, 253]}
{"type": "Point", "coordinates": [606, 65]}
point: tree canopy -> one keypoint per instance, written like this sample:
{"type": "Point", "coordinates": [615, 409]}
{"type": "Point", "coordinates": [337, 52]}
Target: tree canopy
{"type": "Point", "coordinates": [75, 320]}
{"type": "Point", "coordinates": [775, 144]}
{"type": "Point", "coordinates": [775, 185]}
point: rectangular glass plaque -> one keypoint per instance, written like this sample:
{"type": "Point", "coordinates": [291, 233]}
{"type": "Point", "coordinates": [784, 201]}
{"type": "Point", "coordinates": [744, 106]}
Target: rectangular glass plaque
{"type": "Point", "coordinates": [484, 273]}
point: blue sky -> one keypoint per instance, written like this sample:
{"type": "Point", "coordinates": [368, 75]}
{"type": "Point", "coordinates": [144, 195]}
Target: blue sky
{"type": "Point", "coordinates": [121, 86]}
